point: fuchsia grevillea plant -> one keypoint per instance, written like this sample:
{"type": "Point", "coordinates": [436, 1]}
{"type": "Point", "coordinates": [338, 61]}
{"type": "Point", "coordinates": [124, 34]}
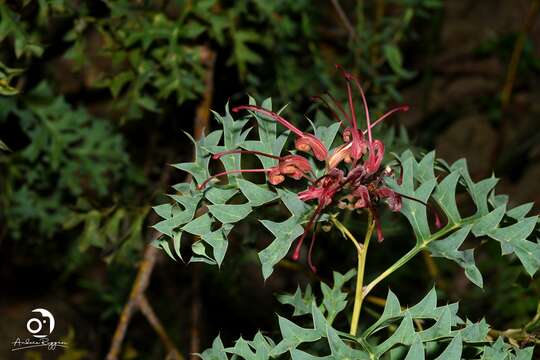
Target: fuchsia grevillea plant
{"type": "Point", "coordinates": [317, 181]}
{"type": "Point", "coordinates": [360, 184]}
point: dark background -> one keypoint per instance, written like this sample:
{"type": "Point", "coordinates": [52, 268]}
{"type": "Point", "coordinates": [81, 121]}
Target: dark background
{"type": "Point", "coordinates": [106, 89]}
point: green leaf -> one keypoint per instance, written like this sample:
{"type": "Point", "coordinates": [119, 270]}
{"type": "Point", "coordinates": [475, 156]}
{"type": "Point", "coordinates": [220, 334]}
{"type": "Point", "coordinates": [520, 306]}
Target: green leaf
{"type": "Point", "coordinates": [216, 352]}
{"type": "Point", "coordinates": [173, 215]}
{"type": "Point", "coordinates": [414, 211]}
{"type": "Point", "coordinates": [268, 141]}
{"type": "Point", "coordinates": [340, 350]}
{"type": "Point", "coordinates": [392, 310]}
{"type": "Point", "coordinates": [262, 346]}
{"type": "Point", "coordinates": [393, 56]}
{"type": "Point", "coordinates": [319, 321]}
{"type": "Point", "coordinates": [525, 354]}
{"type": "Point", "coordinates": [301, 355]}
{"type": "Point", "coordinates": [300, 302]}
{"type": "Point", "coordinates": [489, 222]}
{"type": "Point", "coordinates": [420, 182]}
{"type": "Point", "coordinates": [519, 212]}
{"type": "Point", "coordinates": [475, 332]}
{"type": "Point", "coordinates": [293, 335]}
{"type": "Point", "coordinates": [257, 195]}
{"type": "Point", "coordinates": [233, 138]}
{"type": "Point", "coordinates": [242, 349]}
{"type": "Point", "coordinates": [327, 134]}
{"type": "Point", "coordinates": [416, 351]}
{"type": "Point", "coordinates": [445, 195]}
{"type": "Point", "coordinates": [453, 350]}
{"type": "Point", "coordinates": [199, 249]}
{"type": "Point", "coordinates": [218, 241]}
{"type": "Point", "coordinates": [334, 300]}
{"type": "Point", "coordinates": [285, 233]}
{"type": "Point", "coordinates": [448, 248]}
{"type": "Point", "coordinates": [199, 168]}
{"type": "Point", "coordinates": [199, 226]}
{"type": "Point", "coordinates": [227, 214]}
{"type": "Point", "coordinates": [404, 335]}
{"type": "Point", "coordinates": [513, 239]}
{"type": "Point", "coordinates": [219, 196]}
{"type": "Point", "coordinates": [442, 327]}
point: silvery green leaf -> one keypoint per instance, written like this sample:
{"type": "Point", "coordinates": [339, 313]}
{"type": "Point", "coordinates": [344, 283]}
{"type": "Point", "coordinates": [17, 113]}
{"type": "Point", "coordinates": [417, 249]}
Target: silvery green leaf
{"type": "Point", "coordinates": [257, 195]}
{"type": "Point", "coordinates": [227, 214]}
{"type": "Point", "coordinates": [285, 233]}
{"type": "Point", "coordinates": [453, 350]}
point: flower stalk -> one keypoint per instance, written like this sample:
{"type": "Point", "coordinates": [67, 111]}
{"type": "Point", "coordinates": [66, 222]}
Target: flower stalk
{"type": "Point", "coordinates": [362, 256]}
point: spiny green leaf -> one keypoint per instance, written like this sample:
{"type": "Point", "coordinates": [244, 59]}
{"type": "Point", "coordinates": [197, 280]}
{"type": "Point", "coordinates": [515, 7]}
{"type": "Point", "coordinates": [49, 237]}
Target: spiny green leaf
{"type": "Point", "coordinates": [416, 351]}
{"type": "Point", "coordinates": [453, 350]}
{"type": "Point", "coordinates": [300, 302]}
{"type": "Point", "coordinates": [489, 222]}
{"type": "Point", "coordinates": [334, 300]}
{"type": "Point", "coordinates": [475, 332]}
{"type": "Point", "coordinates": [340, 350]}
{"type": "Point", "coordinates": [441, 328]}
{"type": "Point", "coordinates": [392, 310]}
{"type": "Point", "coordinates": [445, 195]}
{"type": "Point", "coordinates": [242, 349]}
{"type": "Point", "coordinates": [513, 239]}
{"type": "Point", "coordinates": [301, 355]}
{"type": "Point", "coordinates": [257, 195]}
{"type": "Point", "coordinates": [262, 346]}
{"type": "Point", "coordinates": [173, 215]}
{"type": "Point", "coordinates": [404, 335]}
{"type": "Point", "coordinates": [293, 335]}
{"type": "Point", "coordinates": [218, 241]}
{"type": "Point", "coordinates": [285, 233]}
{"type": "Point", "coordinates": [233, 138]}
{"type": "Point", "coordinates": [268, 141]}
{"type": "Point", "coordinates": [217, 195]}
{"type": "Point", "coordinates": [199, 249]}
{"type": "Point", "coordinates": [200, 226]}
{"type": "Point", "coordinates": [216, 352]}
{"type": "Point", "coordinates": [199, 168]}
{"type": "Point", "coordinates": [519, 212]}
{"type": "Point", "coordinates": [226, 213]}
{"type": "Point", "coordinates": [448, 248]}
{"type": "Point", "coordinates": [327, 134]}
{"type": "Point", "coordinates": [525, 354]}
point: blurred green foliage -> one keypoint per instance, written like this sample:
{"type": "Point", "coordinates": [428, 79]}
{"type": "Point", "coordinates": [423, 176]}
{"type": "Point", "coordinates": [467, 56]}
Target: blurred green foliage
{"type": "Point", "coordinates": [73, 161]}
{"type": "Point", "coordinates": [94, 95]}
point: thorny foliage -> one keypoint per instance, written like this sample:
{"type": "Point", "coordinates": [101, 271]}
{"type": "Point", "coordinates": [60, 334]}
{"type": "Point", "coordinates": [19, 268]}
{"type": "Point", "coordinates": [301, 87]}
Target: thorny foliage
{"type": "Point", "coordinates": [347, 176]}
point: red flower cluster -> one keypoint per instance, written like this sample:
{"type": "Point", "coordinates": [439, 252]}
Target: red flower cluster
{"type": "Point", "coordinates": [353, 178]}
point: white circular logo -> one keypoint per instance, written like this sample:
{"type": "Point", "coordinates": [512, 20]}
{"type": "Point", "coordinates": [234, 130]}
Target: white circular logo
{"type": "Point", "coordinates": [36, 325]}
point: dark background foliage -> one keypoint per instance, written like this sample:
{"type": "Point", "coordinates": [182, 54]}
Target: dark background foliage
{"type": "Point", "coordinates": [96, 95]}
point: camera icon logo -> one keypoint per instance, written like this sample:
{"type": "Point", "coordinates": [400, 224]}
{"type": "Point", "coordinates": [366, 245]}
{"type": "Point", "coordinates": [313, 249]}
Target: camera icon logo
{"type": "Point", "coordinates": [38, 327]}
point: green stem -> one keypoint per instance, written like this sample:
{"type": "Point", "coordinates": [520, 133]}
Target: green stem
{"type": "Point", "coordinates": [362, 255]}
{"type": "Point", "coordinates": [415, 250]}
{"type": "Point", "coordinates": [402, 261]}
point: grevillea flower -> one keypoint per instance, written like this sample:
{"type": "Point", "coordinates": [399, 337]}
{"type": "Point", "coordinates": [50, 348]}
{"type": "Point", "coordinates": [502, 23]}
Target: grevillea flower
{"type": "Point", "coordinates": [353, 174]}
{"type": "Point", "coordinates": [294, 166]}
{"type": "Point", "coordinates": [355, 143]}
{"type": "Point", "coordinates": [304, 142]}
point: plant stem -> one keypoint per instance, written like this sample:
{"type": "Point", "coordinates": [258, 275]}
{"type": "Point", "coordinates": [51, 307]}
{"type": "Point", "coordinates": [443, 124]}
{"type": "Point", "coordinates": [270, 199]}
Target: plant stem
{"type": "Point", "coordinates": [359, 293]}
{"type": "Point", "coordinates": [346, 233]}
{"type": "Point", "coordinates": [361, 252]}
{"type": "Point", "coordinates": [402, 261]}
